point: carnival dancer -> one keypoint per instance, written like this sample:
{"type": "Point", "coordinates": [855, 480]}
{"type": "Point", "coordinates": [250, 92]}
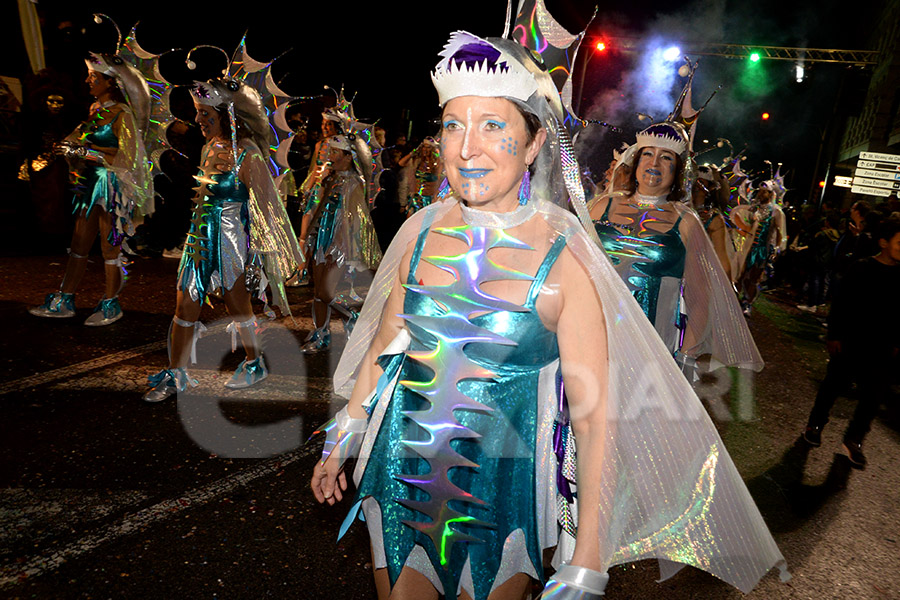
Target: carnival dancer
{"type": "Point", "coordinates": [663, 254]}
{"type": "Point", "coordinates": [342, 239]}
{"type": "Point", "coordinates": [113, 186]}
{"type": "Point", "coordinates": [240, 239]}
{"type": "Point", "coordinates": [710, 199]}
{"type": "Point", "coordinates": [425, 163]}
{"type": "Point", "coordinates": [466, 469]}
{"type": "Point", "coordinates": [309, 189]}
{"type": "Point", "coordinates": [762, 224]}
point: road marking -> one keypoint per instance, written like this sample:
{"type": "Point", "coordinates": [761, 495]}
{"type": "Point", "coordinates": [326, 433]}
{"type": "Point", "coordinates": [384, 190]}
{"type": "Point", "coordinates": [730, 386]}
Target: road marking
{"type": "Point", "coordinates": [17, 385]}
{"type": "Point", "coordinates": [24, 383]}
{"type": "Point", "coordinates": [135, 522]}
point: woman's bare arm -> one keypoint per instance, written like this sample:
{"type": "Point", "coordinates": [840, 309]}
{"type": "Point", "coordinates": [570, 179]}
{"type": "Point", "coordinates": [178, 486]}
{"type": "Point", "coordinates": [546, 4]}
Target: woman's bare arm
{"type": "Point", "coordinates": [583, 351]}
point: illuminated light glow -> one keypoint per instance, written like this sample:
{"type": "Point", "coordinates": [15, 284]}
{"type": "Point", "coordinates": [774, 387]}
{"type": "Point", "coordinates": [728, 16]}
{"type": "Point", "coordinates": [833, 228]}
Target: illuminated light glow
{"type": "Point", "coordinates": [672, 53]}
{"type": "Point", "coordinates": [821, 184]}
{"type": "Point", "coordinates": [601, 46]}
{"type": "Point", "coordinates": [799, 73]}
{"type": "Point", "coordinates": [765, 116]}
{"type": "Point", "coordinates": [754, 57]}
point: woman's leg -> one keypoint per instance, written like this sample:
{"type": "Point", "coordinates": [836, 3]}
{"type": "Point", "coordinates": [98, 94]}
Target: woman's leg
{"type": "Point", "coordinates": [413, 585]}
{"type": "Point", "coordinates": [115, 276]}
{"type": "Point", "coordinates": [181, 339]}
{"type": "Point", "coordinates": [237, 300]}
{"type": "Point", "coordinates": [86, 228]}
{"type": "Point", "coordinates": [187, 312]}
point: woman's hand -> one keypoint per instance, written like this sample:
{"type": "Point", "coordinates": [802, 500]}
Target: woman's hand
{"type": "Point", "coordinates": [328, 481]}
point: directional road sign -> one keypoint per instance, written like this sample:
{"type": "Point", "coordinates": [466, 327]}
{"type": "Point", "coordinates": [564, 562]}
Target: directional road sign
{"type": "Point", "coordinates": [877, 174]}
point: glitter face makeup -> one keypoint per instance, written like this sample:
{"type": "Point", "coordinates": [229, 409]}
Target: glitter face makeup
{"type": "Point", "coordinates": [483, 144]}
{"type": "Point", "coordinates": [655, 171]}
{"type": "Point", "coordinates": [208, 119]}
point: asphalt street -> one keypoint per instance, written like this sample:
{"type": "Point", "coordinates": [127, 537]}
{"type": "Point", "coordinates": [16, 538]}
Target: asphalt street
{"type": "Point", "coordinates": [207, 496]}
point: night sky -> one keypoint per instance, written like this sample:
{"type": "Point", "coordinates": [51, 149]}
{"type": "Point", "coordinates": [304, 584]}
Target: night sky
{"type": "Point", "coordinates": [384, 52]}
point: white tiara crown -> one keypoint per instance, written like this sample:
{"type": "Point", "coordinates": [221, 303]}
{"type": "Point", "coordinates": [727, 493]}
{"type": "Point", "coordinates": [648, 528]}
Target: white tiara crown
{"type": "Point", "coordinates": [663, 135]}
{"type": "Point", "coordinates": [505, 78]}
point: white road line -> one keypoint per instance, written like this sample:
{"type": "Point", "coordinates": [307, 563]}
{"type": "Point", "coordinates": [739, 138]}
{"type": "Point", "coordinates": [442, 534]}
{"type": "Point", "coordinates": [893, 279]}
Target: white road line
{"type": "Point", "coordinates": [134, 522]}
{"type": "Point", "coordinates": [24, 383]}
{"type": "Point", "coordinates": [17, 385]}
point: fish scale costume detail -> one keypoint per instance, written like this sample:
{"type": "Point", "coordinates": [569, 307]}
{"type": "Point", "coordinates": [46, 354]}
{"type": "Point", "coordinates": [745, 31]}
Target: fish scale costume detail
{"type": "Point", "coordinates": [464, 467]}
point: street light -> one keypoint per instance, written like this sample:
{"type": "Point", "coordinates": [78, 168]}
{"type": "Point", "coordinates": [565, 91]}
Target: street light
{"type": "Point", "coordinates": [600, 46]}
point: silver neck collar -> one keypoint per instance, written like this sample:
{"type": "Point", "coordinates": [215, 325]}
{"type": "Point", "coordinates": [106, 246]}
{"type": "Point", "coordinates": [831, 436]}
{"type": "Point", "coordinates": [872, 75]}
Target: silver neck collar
{"type": "Point", "coordinates": [498, 220]}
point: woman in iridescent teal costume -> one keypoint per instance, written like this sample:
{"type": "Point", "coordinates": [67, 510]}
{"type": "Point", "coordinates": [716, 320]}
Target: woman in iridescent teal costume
{"type": "Point", "coordinates": [240, 239]}
{"type": "Point", "coordinates": [662, 252]}
{"type": "Point", "coordinates": [342, 239]}
{"type": "Point", "coordinates": [484, 305]}
{"type": "Point", "coordinates": [112, 183]}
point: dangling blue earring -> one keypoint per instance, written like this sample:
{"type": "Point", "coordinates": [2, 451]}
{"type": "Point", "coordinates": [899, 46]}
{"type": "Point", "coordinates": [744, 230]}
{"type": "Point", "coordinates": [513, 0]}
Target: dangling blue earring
{"type": "Point", "coordinates": [443, 190]}
{"type": "Point", "coordinates": [525, 188]}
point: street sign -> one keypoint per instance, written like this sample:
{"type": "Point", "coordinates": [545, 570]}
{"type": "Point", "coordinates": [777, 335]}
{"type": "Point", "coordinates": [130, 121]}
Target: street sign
{"type": "Point", "coordinates": [877, 174]}
{"type": "Point", "coordinates": [843, 181]}
{"type": "Point", "coordinates": [891, 158]}
{"type": "Point", "coordinates": [871, 164]}
{"type": "Point", "coordinates": [877, 183]}
{"type": "Point", "coordinates": [870, 191]}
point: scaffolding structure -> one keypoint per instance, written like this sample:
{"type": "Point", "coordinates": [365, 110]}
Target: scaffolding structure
{"type": "Point", "coordinates": [857, 58]}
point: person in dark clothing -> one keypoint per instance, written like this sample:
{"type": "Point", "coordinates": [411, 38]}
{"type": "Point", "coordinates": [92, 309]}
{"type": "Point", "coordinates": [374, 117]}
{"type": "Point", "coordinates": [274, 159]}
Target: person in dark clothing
{"type": "Point", "coordinates": [862, 339]}
{"type": "Point", "coordinates": [820, 263]}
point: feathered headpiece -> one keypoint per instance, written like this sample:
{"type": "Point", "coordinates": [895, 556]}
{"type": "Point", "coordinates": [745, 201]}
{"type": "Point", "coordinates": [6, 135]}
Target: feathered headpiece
{"type": "Point", "coordinates": [513, 69]}
{"type": "Point", "coordinates": [128, 78]}
{"type": "Point", "coordinates": [360, 140]}
{"type": "Point", "coordinates": [248, 92]}
{"type": "Point", "coordinates": [775, 183]}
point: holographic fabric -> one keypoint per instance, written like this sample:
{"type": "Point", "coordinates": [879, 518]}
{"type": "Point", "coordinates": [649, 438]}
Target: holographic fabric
{"type": "Point", "coordinates": [453, 468]}
{"type": "Point", "coordinates": [645, 259]}
{"type": "Point", "coordinates": [767, 224]}
{"type": "Point", "coordinates": [217, 248]}
{"type": "Point", "coordinates": [341, 226]}
{"type": "Point", "coordinates": [668, 489]}
{"type": "Point", "coordinates": [234, 222]}
{"type": "Point", "coordinates": [111, 186]}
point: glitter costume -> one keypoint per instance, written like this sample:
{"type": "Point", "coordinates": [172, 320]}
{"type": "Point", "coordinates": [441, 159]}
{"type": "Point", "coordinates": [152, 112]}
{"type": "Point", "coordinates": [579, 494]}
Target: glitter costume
{"type": "Point", "coordinates": [120, 188]}
{"type": "Point", "coordinates": [766, 234]}
{"type": "Point", "coordinates": [236, 220]}
{"type": "Point", "coordinates": [342, 227]}
{"type": "Point", "coordinates": [652, 265]}
{"type": "Point", "coordinates": [425, 162]}
{"type": "Point", "coordinates": [113, 182]}
{"type": "Point", "coordinates": [467, 463]}
{"type": "Point", "coordinates": [497, 372]}
{"type": "Point", "coordinates": [240, 239]}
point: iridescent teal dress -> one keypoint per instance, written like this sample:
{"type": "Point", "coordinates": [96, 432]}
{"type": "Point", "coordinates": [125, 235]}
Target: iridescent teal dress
{"type": "Point", "coordinates": [652, 266]}
{"type": "Point", "coordinates": [95, 184]}
{"type": "Point", "coordinates": [460, 469]}
{"type": "Point", "coordinates": [218, 242]}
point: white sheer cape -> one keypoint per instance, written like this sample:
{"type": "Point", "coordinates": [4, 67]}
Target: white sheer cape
{"type": "Point", "coordinates": [669, 488]}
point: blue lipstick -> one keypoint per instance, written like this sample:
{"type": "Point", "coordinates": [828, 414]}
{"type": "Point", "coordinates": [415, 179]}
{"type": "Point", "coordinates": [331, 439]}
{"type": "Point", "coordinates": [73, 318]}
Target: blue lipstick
{"type": "Point", "coordinates": [474, 173]}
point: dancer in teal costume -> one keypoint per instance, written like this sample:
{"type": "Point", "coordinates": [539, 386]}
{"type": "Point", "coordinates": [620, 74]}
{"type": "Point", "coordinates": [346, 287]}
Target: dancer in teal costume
{"type": "Point", "coordinates": [240, 239]}
{"type": "Point", "coordinates": [113, 186]}
{"type": "Point", "coordinates": [483, 306]}
{"type": "Point", "coordinates": [663, 254]}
